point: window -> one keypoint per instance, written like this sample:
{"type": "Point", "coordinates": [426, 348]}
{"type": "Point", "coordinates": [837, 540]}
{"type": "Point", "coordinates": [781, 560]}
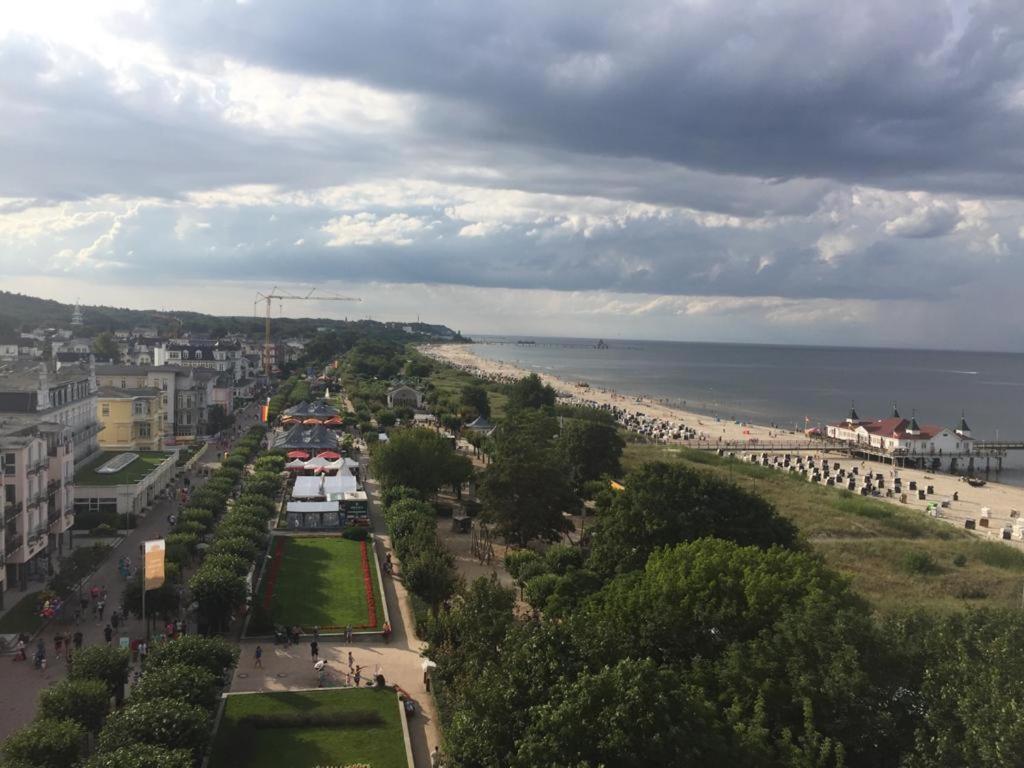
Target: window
{"type": "Point", "coordinates": [140, 407]}
{"type": "Point", "coordinates": [124, 384]}
{"type": "Point", "coordinates": [8, 463]}
{"type": "Point", "coordinates": [144, 430]}
{"type": "Point", "coordinates": [199, 354]}
{"type": "Point", "coordinates": [184, 354]}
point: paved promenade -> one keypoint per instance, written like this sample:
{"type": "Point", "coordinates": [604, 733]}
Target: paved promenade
{"type": "Point", "coordinates": [20, 683]}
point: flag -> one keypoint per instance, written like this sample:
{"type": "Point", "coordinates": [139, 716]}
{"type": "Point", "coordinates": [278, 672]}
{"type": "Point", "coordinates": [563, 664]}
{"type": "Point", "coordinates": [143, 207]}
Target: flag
{"type": "Point", "coordinates": [154, 566]}
{"type": "Point", "coordinates": [265, 411]}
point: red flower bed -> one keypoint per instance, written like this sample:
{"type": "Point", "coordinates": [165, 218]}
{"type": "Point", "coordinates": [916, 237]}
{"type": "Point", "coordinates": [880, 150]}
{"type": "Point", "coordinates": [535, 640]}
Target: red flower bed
{"type": "Point", "coordinates": [371, 604]}
{"type": "Point", "coordinates": [275, 566]}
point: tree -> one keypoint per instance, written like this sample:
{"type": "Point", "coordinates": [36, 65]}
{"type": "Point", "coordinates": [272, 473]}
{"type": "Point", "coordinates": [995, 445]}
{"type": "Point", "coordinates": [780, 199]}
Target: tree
{"type": "Point", "coordinates": [218, 418]}
{"type": "Point", "coordinates": [589, 449]}
{"type": "Point", "coordinates": [86, 702]}
{"type": "Point", "coordinates": [431, 575]}
{"type": "Point", "coordinates": [45, 743]}
{"type": "Point", "coordinates": [214, 654]}
{"type": "Point", "coordinates": [105, 663]}
{"type": "Point", "coordinates": [163, 601]}
{"type": "Point", "coordinates": [530, 392]}
{"type": "Point", "coordinates": [633, 714]}
{"type": "Point", "coordinates": [219, 592]}
{"type": "Point", "coordinates": [664, 504]}
{"type": "Point", "coordinates": [475, 396]}
{"type": "Point", "coordinates": [182, 682]}
{"type": "Point", "coordinates": [417, 458]}
{"type": "Point", "coordinates": [164, 722]}
{"type": "Point", "coordinates": [525, 489]}
{"type": "Point", "coordinates": [137, 755]}
{"type": "Point", "coordinates": [105, 348]}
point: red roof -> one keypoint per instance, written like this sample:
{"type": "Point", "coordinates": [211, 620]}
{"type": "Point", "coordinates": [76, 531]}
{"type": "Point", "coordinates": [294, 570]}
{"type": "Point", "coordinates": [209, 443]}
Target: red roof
{"type": "Point", "coordinates": [897, 428]}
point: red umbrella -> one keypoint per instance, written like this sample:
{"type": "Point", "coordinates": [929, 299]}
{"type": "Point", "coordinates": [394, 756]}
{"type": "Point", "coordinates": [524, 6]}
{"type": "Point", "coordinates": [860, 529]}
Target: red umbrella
{"type": "Point", "coordinates": [311, 421]}
{"type": "Point", "coordinates": [334, 421]}
{"type": "Point", "coordinates": [330, 455]}
{"type": "Point", "coordinates": [298, 455]}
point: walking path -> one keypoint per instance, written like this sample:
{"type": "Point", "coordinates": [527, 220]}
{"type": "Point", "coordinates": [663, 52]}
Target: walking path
{"type": "Point", "coordinates": [20, 683]}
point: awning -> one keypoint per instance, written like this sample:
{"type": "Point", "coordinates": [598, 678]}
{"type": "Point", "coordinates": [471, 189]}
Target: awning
{"type": "Point", "coordinates": [331, 455]}
{"type": "Point", "coordinates": [298, 454]}
{"type": "Point", "coordinates": [311, 422]}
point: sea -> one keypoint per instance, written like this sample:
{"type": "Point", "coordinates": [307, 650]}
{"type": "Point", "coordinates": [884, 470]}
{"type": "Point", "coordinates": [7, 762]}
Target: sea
{"type": "Point", "coordinates": [793, 386]}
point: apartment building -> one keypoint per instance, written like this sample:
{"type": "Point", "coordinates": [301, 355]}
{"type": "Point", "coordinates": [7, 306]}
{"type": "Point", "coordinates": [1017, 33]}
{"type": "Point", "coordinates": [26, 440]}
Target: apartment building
{"type": "Point", "coordinates": [132, 419]}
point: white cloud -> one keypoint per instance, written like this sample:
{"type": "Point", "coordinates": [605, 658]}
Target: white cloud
{"type": "Point", "coordinates": [368, 229]}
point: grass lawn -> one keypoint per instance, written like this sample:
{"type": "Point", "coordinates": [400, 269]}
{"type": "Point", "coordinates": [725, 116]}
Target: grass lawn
{"type": "Point", "coordinates": [869, 540]}
{"type": "Point", "coordinates": [22, 616]}
{"type": "Point", "coordinates": [319, 582]}
{"type": "Point", "coordinates": [449, 382]}
{"type": "Point", "coordinates": [138, 469]}
{"type": "Point", "coordinates": [379, 745]}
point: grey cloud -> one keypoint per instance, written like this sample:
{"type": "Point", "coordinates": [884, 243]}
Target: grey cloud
{"type": "Point", "coordinates": [905, 94]}
{"type": "Point", "coordinates": [927, 221]}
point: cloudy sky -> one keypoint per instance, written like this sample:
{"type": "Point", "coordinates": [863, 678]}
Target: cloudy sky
{"type": "Point", "coordinates": [692, 169]}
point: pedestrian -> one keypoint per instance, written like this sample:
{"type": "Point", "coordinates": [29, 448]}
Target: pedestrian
{"type": "Point", "coordinates": [58, 645]}
{"type": "Point", "coordinates": [78, 637]}
{"type": "Point", "coordinates": [103, 593]}
{"type": "Point", "coordinates": [435, 758]}
{"type": "Point", "coordinates": [95, 593]}
{"type": "Point", "coordinates": [108, 633]}
{"type": "Point", "coordinates": [348, 633]}
{"type": "Point", "coordinates": [314, 650]}
{"type": "Point", "coordinates": [351, 662]}
{"type": "Point", "coordinates": [387, 631]}
{"type": "Point", "coordinates": [95, 609]}
{"type": "Point", "coordinates": [358, 675]}
{"type": "Point", "coordinates": [426, 679]}
{"type": "Point", "coordinates": [100, 606]}
{"type": "Point", "coordinates": [115, 620]}
{"type": "Point", "coordinates": [316, 631]}
{"type": "Point", "coordinates": [21, 650]}
{"type": "Point", "coordinates": [143, 650]}
{"type": "Point", "coordinates": [259, 657]}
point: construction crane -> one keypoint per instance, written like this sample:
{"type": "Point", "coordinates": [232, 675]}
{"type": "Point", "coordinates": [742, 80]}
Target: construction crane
{"type": "Point", "coordinates": [282, 295]}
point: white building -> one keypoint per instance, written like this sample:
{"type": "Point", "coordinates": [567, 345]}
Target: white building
{"type": "Point", "coordinates": [897, 436]}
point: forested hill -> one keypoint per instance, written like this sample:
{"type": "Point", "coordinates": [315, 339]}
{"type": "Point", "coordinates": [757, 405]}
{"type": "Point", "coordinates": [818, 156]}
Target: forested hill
{"type": "Point", "coordinates": [21, 312]}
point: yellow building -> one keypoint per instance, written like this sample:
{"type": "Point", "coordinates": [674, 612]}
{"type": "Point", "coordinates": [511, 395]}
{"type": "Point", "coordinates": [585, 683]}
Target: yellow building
{"type": "Point", "coordinates": [132, 419]}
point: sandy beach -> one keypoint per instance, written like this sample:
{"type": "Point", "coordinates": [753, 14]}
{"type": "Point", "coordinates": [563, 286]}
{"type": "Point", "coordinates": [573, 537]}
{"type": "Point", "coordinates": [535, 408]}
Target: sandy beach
{"type": "Point", "coordinates": [1001, 500]}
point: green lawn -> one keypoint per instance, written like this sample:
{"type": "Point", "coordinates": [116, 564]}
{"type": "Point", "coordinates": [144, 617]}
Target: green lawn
{"type": "Point", "coordinates": [449, 382]}
{"type": "Point", "coordinates": [870, 540]}
{"type": "Point", "coordinates": [138, 469]}
{"type": "Point", "coordinates": [379, 745]}
{"type": "Point", "coordinates": [23, 616]}
{"type": "Point", "coordinates": [319, 582]}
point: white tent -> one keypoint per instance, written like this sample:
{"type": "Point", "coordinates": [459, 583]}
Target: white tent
{"type": "Point", "coordinates": [335, 486]}
{"type": "Point", "coordinates": [312, 506]}
{"type": "Point", "coordinates": [307, 487]}
{"type": "Point", "coordinates": [317, 463]}
{"type": "Point", "coordinates": [295, 464]}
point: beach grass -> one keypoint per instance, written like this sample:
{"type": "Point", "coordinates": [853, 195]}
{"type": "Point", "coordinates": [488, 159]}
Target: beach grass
{"type": "Point", "coordinates": [319, 582]}
{"type": "Point", "coordinates": [369, 730]}
{"type": "Point", "coordinates": [133, 473]}
{"type": "Point", "coordinates": [870, 540]}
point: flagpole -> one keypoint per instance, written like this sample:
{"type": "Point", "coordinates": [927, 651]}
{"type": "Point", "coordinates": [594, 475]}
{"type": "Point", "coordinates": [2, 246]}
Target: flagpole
{"type": "Point", "coordinates": [145, 626]}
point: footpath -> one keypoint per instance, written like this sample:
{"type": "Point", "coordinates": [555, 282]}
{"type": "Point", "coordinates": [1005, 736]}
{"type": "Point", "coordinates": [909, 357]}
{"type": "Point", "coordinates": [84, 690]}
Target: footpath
{"type": "Point", "coordinates": [20, 682]}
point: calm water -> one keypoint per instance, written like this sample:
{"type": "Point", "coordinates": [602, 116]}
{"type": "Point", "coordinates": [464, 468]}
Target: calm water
{"type": "Point", "coordinates": [785, 385]}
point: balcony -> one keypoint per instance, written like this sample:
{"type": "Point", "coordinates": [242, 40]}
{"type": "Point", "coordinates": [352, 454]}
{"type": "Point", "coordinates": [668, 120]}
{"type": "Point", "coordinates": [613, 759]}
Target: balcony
{"type": "Point", "coordinates": [53, 486]}
{"type": "Point", "coordinates": [12, 543]}
{"type": "Point", "coordinates": [11, 510]}
{"type": "Point", "coordinates": [38, 465]}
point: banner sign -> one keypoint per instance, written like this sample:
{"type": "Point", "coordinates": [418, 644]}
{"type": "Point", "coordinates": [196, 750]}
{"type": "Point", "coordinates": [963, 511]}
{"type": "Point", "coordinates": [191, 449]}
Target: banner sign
{"type": "Point", "coordinates": [154, 566]}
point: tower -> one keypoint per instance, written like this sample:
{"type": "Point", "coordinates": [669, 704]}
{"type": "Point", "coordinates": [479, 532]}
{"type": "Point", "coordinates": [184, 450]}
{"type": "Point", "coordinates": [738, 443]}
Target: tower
{"type": "Point", "coordinates": [76, 315]}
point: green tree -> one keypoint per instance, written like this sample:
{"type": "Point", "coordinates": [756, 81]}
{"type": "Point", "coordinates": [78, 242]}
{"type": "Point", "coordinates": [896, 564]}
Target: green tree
{"type": "Point", "coordinates": [162, 602]}
{"type": "Point", "coordinates": [633, 714]}
{"type": "Point", "coordinates": [45, 743]}
{"type": "Point", "coordinates": [213, 654]}
{"type": "Point", "coordinates": [431, 575]}
{"type": "Point", "coordinates": [475, 396]}
{"type": "Point", "coordinates": [183, 682]}
{"type": "Point", "coordinates": [166, 723]}
{"type": "Point", "coordinates": [218, 418]}
{"type": "Point", "coordinates": [139, 755]}
{"type": "Point", "coordinates": [530, 392]}
{"type": "Point", "coordinates": [589, 449]}
{"type": "Point", "coordinates": [416, 458]}
{"type": "Point", "coordinates": [86, 702]}
{"type": "Point", "coordinates": [104, 663]}
{"type": "Point", "coordinates": [664, 504]}
{"type": "Point", "coordinates": [104, 347]}
{"type": "Point", "coordinates": [219, 592]}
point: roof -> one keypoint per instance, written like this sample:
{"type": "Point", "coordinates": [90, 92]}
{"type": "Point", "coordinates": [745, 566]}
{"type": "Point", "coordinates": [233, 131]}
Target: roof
{"type": "Point", "coordinates": [318, 410]}
{"type": "Point", "coordinates": [301, 437]}
{"type": "Point", "coordinates": [139, 370]}
{"type": "Point", "coordinates": [898, 428]}
{"type": "Point", "coordinates": [23, 375]}
{"type": "Point", "coordinates": [403, 388]}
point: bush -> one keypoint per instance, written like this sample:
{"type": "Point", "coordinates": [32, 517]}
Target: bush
{"type": "Point", "coordinates": [141, 756]}
{"type": "Point", "coordinates": [213, 654]}
{"type": "Point", "coordinates": [184, 682]}
{"type": "Point", "coordinates": [960, 560]}
{"type": "Point", "coordinates": [45, 743]}
{"type": "Point", "coordinates": [163, 722]}
{"type": "Point", "coordinates": [919, 563]}
{"type": "Point", "coordinates": [104, 663]}
{"type": "Point", "coordinates": [103, 529]}
{"type": "Point", "coordinates": [86, 702]}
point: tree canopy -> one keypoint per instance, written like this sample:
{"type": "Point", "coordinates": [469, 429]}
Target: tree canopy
{"type": "Point", "coordinates": [420, 459]}
{"type": "Point", "coordinates": [530, 392]}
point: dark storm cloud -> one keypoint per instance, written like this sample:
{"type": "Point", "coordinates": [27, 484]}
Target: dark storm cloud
{"type": "Point", "coordinates": [911, 93]}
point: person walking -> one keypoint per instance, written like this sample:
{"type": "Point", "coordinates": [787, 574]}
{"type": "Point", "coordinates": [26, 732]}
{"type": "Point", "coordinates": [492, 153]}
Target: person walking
{"type": "Point", "coordinates": [143, 651]}
{"type": "Point", "coordinates": [348, 633]}
{"type": "Point", "coordinates": [435, 758]}
{"type": "Point", "coordinates": [314, 650]}
{"type": "Point", "coordinates": [115, 620]}
{"type": "Point", "coordinates": [351, 662]}
{"type": "Point", "coordinates": [108, 633]}
{"type": "Point", "coordinates": [358, 676]}
{"type": "Point", "coordinates": [78, 637]}
{"type": "Point", "coordinates": [101, 606]}
{"type": "Point", "coordinates": [258, 655]}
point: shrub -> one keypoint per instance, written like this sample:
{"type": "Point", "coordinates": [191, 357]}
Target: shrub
{"type": "Point", "coordinates": [919, 563]}
{"type": "Point", "coordinates": [103, 529]}
{"type": "Point", "coordinates": [86, 702]}
{"type": "Point", "coordinates": [45, 743]}
{"type": "Point", "coordinates": [104, 663]}
{"type": "Point", "coordinates": [138, 755]}
{"type": "Point", "coordinates": [356, 533]}
{"type": "Point", "coordinates": [184, 682]}
{"type": "Point", "coordinates": [233, 545]}
{"type": "Point", "coordinates": [960, 560]}
{"type": "Point", "coordinates": [227, 561]}
{"type": "Point", "coordinates": [210, 653]}
{"type": "Point", "coordinates": [163, 722]}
